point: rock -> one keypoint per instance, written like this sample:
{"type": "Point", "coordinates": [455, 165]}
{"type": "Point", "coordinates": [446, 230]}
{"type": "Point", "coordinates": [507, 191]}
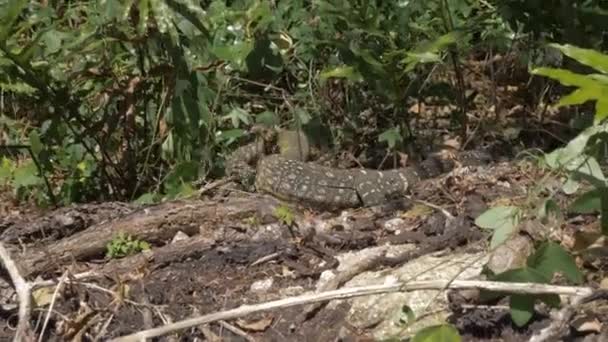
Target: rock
{"type": "Point", "coordinates": [511, 254]}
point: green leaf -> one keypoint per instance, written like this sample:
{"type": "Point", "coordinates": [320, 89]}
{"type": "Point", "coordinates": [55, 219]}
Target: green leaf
{"type": "Point", "coordinates": [502, 219]}
{"type": "Point", "coordinates": [570, 186]}
{"type": "Point", "coordinates": [144, 11]}
{"type": "Point", "coordinates": [569, 78]}
{"type": "Point", "coordinates": [230, 135]}
{"type": "Point", "coordinates": [302, 116]}
{"type": "Point", "coordinates": [428, 52]}
{"type": "Point", "coordinates": [147, 198]}
{"type": "Point", "coordinates": [588, 168]}
{"type": "Point", "coordinates": [522, 308]}
{"type": "Point", "coordinates": [592, 58]}
{"type": "Point", "coordinates": [502, 234]}
{"type": "Point", "coordinates": [11, 12]}
{"type": "Point", "coordinates": [587, 203]}
{"type": "Point", "coordinates": [570, 156]}
{"type": "Point", "coordinates": [6, 170]}
{"type": "Point", "coordinates": [391, 137]}
{"type": "Point", "coordinates": [26, 175]}
{"type": "Point", "coordinates": [346, 72]}
{"type": "Point", "coordinates": [496, 217]}
{"type": "Point", "coordinates": [550, 258]}
{"type": "Point", "coordinates": [521, 275]}
{"type": "Point", "coordinates": [35, 143]}
{"type": "Point", "coordinates": [437, 333]}
{"type": "Point", "coordinates": [267, 118]}
{"type": "Point", "coordinates": [181, 173]}
{"type": "Point", "coordinates": [237, 116]}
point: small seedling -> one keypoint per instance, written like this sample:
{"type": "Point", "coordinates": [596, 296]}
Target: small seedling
{"type": "Point", "coordinates": [123, 245]}
{"type": "Point", "coordinates": [284, 214]}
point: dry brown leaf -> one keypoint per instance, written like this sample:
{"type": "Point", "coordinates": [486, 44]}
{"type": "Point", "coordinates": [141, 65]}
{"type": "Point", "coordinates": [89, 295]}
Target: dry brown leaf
{"type": "Point", "coordinates": [418, 210]}
{"type": "Point", "coordinates": [587, 324]}
{"type": "Point", "coordinates": [256, 326]}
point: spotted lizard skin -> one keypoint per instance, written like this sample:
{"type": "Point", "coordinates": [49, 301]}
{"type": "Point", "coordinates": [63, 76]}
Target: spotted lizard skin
{"type": "Point", "coordinates": [321, 186]}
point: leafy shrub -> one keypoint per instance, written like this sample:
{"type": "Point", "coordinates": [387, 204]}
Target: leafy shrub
{"type": "Point", "coordinates": [580, 161]}
{"type": "Point", "coordinates": [124, 99]}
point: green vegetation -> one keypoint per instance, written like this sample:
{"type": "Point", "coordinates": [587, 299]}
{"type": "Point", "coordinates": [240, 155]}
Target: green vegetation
{"type": "Point", "coordinates": [123, 245]}
{"type": "Point", "coordinates": [284, 214]}
{"type": "Point", "coordinates": [136, 100]}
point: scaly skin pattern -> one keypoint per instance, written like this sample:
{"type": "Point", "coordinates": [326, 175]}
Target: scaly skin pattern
{"type": "Point", "coordinates": [325, 187]}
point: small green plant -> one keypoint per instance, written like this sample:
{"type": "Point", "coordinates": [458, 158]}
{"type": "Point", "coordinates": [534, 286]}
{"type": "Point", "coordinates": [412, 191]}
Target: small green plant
{"type": "Point", "coordinates": [436, 333]}
{"type": "Point", "coordinates": [252, 221]}
{"type": "Point", "coordinates": [123, 245]}
{"type": "Point", "coordinates": [579, 160]}
{"type": "Point", "coordinates": [284, 214]}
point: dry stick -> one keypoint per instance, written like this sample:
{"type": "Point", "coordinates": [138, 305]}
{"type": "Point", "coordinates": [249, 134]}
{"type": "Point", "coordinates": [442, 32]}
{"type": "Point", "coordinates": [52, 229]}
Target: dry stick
{"type": "Point", "coordinates": [53, 299]}
{"type": "Point", "coordinates": [236, 331]}
{"type": "Point", "coordinates": [23, 332]}
{"type": "Point", "coordinates": [345, 293]}
{"type": "Point", "coordinates": [73, 278]}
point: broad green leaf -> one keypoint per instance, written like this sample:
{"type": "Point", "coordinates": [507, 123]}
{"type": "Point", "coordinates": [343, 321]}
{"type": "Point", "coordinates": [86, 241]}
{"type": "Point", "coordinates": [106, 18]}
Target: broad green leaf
{"type": "Point", "coordinates": [347, 72]}
{"type": "Point", "coordinates": [568, 78]}
{"type": "Point", "coordinates": [147, 198]}
{"type": "Point", "coordinates": [521, 275]}
{"type": "Point", "coordinates": [143, 7]}
{"type": "Point", "coordinates": [589, 169]}
{"type": "Point", "coordinates": [235, 53]}
{"type": "Point", "coordinates": [428, 52]}
{"type": "Point", "coordinates": [580, 96]}
{"type": "Point", "coordinates": [550, 258]}
{"type": "Point", "coordinates": [6, 170]}
{"type": "Point", "coordinates": [9, 14]}
{"type": "Point", "coordinates": [572, 153]}
{"type": "Point", "coordinates": [587, 203]}
{"type": "Point", "coordinates": [267, 118]}
{"type": "Point", "coordinates": [502, 234]}
{"type": "Point", "coordinates": [438, 333]}
{"type": "Point", "coordinates": [391, 137]}
{"type": "Point", "coordinates": [191, 12]}
{"type": "Point", "coordinates": [592, 58]}
{"type": "Point", "coordinates": [237, 116]}
{"type": "Point", "coordinates": [230, 136]}
{"type": "Point", "coordinates": [35, 143]}
{"type": "Point", "coordinates": [522, 308]}
{"type": "Point", "coordinates": [497, 217]}
{"type": "Point", "coordinates": [550, 299]}
{"type": "Point", "coordinates": [26, 175]}
{"type": "Point", "coordinates": [182, 173]}
{"type": "Point", "coordinates": [303, 116]}
{"type": "Point", "coordinates": [517, 275]}
{"type": "Point", "coordinates": [570, 186]}
{"type": "Point", "coordinates": [601, 107]}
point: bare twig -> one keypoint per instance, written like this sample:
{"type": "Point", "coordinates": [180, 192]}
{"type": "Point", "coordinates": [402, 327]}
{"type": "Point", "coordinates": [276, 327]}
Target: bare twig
{"type": "Point", "coordinates": [23, 332]}
{"type": "Point", "coordinates": [444, 212]}
{"type": "Point", "coordinates": [53, 299]}
{"type": "Point", "coordinates": [236, 331]}
{"type": "Point", "coordinates": [345, 293]}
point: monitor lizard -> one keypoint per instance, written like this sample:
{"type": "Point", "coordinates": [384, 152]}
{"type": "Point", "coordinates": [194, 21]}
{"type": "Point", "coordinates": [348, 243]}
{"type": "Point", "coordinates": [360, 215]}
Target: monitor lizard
{"type": "Point", "coordinates": [291, 178]}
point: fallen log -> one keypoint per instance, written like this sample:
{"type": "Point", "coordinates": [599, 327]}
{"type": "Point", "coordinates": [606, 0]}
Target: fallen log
{"type": "Point", "coordinates": [155, 225]}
